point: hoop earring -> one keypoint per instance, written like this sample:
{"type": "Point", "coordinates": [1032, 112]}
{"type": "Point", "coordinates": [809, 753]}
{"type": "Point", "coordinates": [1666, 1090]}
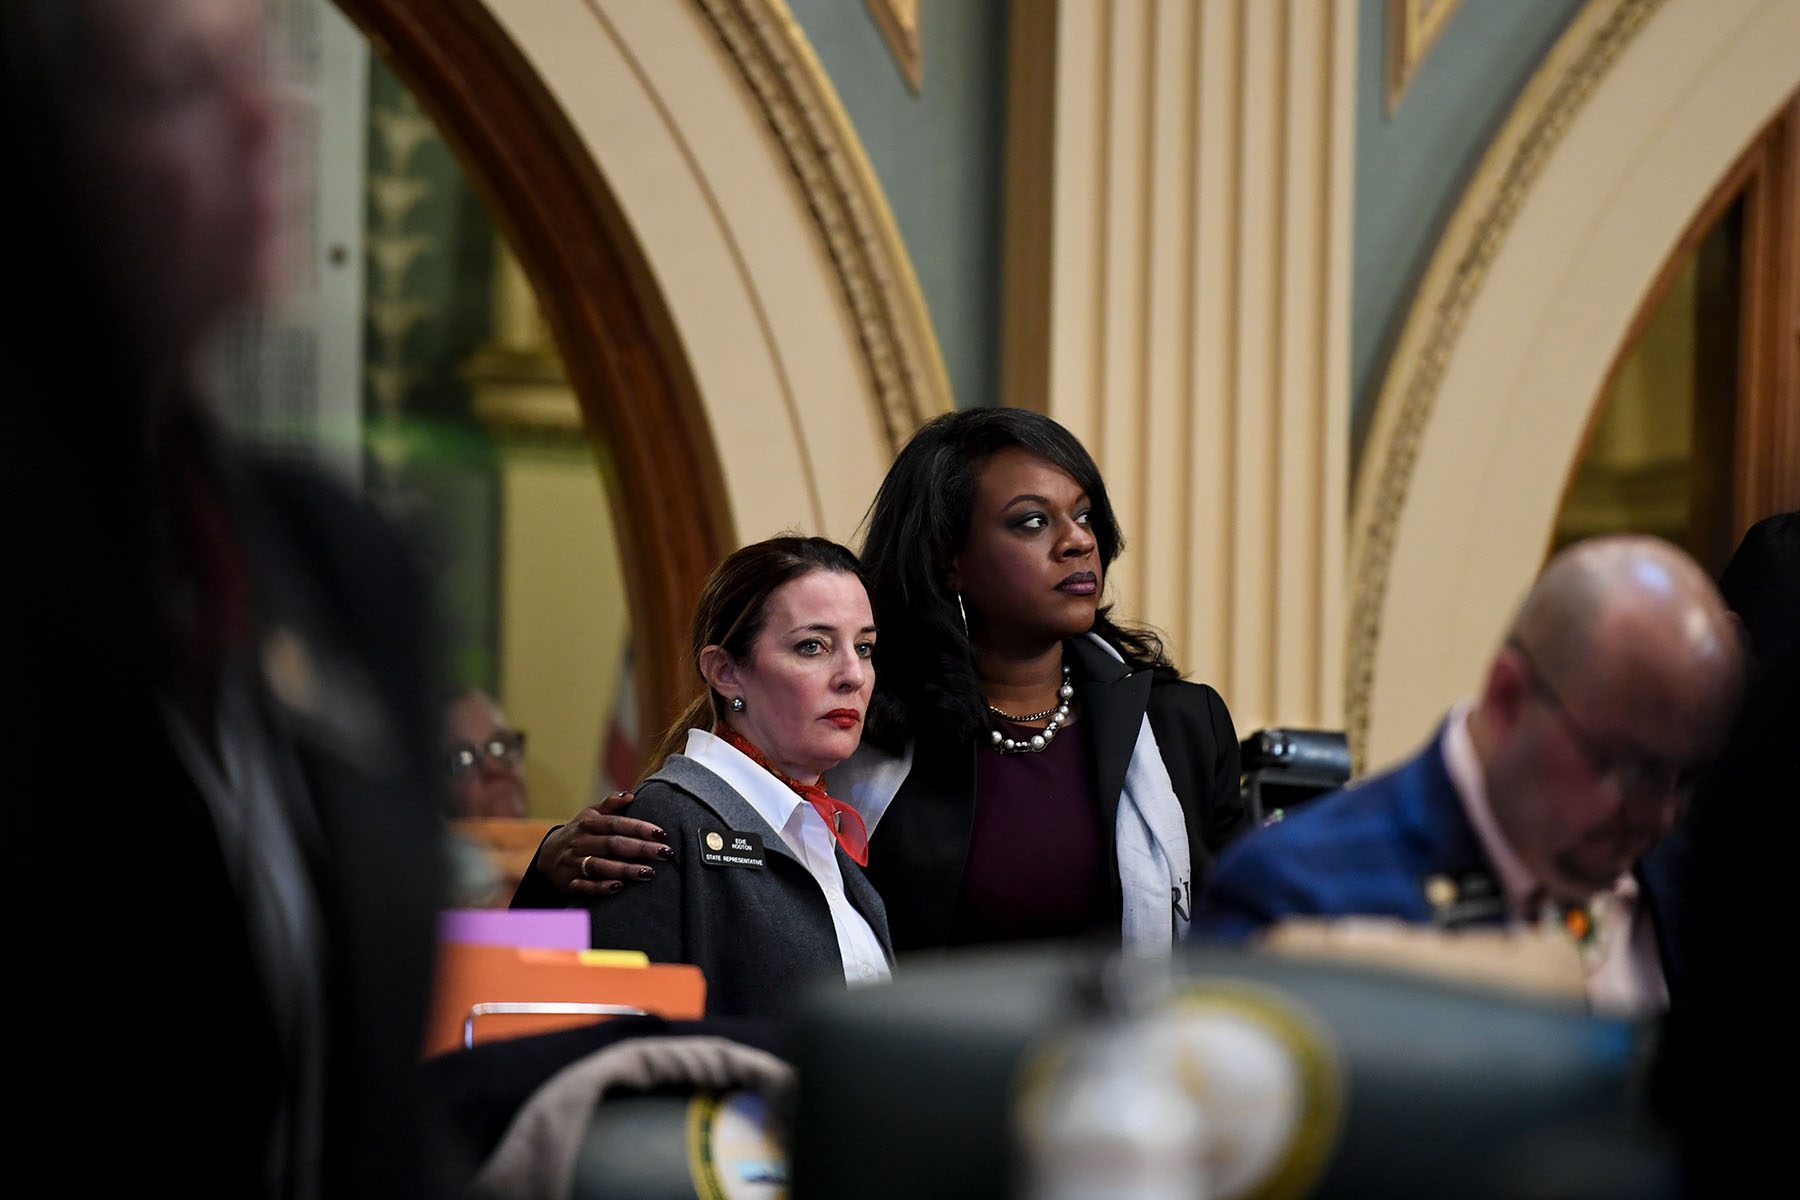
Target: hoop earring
{"type": "Point", "coordinates": [964, 614]}
{"type": "Point", "coordinates": [737, 704]}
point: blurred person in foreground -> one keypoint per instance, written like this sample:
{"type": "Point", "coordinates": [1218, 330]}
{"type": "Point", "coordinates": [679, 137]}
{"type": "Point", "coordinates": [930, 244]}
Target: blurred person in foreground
{"type": "Point", "coordinates": [1723, 1029]}
{"type": "Point", "coordinates": [223, 837]}
{"type": "Point", "coordinates": [1542, 797]}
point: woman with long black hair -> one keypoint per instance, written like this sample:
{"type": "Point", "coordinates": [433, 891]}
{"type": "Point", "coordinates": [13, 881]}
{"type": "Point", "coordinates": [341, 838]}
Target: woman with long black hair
{"type": "Point", "coordinates": [1060, 777]}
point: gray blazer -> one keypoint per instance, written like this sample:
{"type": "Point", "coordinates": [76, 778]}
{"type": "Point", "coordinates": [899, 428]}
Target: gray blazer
{"type": "Point", "coordinates": [761, 934]}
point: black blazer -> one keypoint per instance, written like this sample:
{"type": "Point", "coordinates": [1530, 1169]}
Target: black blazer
{"type": "Point", "coordinates": [758, 933]}
{"type": "Point", "coordinates": [920, 846]}
{"type": "Point", "coordinates": [343, 586]}
{"type": "Point", "coordinates": [150, 962]}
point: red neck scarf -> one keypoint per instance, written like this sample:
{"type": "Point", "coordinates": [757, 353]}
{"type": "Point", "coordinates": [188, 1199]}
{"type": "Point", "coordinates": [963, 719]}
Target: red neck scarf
{"type": "Point", "coordinates": [843, 821]}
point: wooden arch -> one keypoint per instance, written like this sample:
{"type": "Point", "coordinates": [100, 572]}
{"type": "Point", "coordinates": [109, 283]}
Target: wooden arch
{"type": "Point", "coordinates": [612, 330]}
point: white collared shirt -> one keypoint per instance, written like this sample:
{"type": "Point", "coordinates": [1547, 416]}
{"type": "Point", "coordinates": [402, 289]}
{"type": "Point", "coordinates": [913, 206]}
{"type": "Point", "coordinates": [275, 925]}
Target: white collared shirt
{"type": "Point", "coordinates": [1623, 964]}
{"type": "Point", "coordinates": [809, 839]}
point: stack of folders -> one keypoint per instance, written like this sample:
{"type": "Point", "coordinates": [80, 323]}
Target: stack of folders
{"type": "Point", "coordinates": [504, 974]}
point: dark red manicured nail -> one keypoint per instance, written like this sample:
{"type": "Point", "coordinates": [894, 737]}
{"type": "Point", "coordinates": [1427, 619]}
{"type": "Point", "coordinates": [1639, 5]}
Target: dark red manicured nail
{"type": "Point", "coordinates": [646, 873]}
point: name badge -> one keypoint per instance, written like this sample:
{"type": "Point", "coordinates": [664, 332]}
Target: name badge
{"type": "Point", "coordinates": [1470, 899]}
{"type": "Point", "coordinates": [724, 848]}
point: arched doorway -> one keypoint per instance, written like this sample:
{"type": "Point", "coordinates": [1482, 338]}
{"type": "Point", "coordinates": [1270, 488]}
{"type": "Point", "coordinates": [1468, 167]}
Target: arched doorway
{"type": "Point", "coordinates": [1696, 434]}
{"type": "Point", "coordinates": [725, 284]}
{"type": "Point", "coordinates": [1568, 224]}
{"type": "Point", "coordinates": [629, 382]}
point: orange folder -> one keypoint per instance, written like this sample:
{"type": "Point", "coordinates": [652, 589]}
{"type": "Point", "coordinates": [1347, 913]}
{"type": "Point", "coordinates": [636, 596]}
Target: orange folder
{"type": "Point", "coordinates": [486, 993]}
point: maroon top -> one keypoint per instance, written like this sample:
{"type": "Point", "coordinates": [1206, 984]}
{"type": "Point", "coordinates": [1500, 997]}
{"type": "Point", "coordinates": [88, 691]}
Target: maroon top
{"type": "Point", "coordinates": [1037, 855]}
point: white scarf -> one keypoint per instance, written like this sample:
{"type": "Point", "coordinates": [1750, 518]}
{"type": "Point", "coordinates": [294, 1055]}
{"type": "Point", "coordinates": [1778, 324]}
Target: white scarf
{"type": "Point", "coordinates": [1155, 867]}
{"type": "Point", "coordinates": [1150, 836]}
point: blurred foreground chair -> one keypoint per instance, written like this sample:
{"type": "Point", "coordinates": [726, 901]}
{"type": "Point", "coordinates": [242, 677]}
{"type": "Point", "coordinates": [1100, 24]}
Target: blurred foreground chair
{"type": "Point", "coordinates": [664, 1118]}
{"type": "Point", "coordinates": [652, 1118]}
{"type": "Point", "coordinates": [1309, 1078]}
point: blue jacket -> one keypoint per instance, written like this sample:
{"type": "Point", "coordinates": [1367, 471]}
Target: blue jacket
{"type": "Point", "coordinates": [1370, 849]}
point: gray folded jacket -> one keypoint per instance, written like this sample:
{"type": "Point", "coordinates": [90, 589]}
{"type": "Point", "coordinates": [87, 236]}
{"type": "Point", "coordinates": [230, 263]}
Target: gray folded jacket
{"type": "Point", "coordinates": [536, 1158]}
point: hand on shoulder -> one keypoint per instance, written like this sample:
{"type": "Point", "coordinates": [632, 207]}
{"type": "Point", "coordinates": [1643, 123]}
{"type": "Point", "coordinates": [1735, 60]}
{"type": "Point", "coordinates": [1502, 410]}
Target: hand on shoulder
{"type": "Point", "coordinates": [599, 851]}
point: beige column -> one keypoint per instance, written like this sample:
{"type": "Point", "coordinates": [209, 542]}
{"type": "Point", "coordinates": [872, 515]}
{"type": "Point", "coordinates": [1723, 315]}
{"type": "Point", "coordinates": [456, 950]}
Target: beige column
{"type": "Point", "coordinates": [1177, 275]}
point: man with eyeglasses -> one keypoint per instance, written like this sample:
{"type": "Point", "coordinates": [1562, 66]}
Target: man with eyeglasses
{"type": "Point", "coordinates": [483, 756]}
{"type": "Point", "coordinates": [1542, 798]}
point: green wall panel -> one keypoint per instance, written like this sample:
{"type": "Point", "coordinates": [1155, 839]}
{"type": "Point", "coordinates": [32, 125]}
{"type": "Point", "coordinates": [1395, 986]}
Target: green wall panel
{"type": "Point", "coordinates": [1411, 167]}
{"type": "Point", "coordinates": [939, 158]}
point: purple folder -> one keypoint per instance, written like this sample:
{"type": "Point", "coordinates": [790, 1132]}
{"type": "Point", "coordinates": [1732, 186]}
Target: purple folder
{"type": "Point", "coordinates": [537, 929]}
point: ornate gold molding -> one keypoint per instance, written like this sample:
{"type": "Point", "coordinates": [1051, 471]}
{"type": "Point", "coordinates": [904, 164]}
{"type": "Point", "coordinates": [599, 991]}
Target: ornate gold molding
{"type": "Point", "coordinates": [898, 342]}
{"type": "Point", "coordinates": [1413, 27]}
{"type": "Point", "coordinates": [1459, 267]}
{"type": "Point", "coordinates": [898, 21]}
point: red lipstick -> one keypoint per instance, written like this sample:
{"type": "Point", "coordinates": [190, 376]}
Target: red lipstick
{"type": "Point", "coordinates": [843, 718]}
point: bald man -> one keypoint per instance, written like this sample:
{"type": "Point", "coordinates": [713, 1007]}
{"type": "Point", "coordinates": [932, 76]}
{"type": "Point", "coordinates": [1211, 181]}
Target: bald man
{"type": "Point", "coordinates": [1542, 797]}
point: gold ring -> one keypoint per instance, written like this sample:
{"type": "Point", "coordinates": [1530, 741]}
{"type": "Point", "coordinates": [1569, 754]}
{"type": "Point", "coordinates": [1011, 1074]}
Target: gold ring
{"type": "Point", "coordinates": [586, 859]}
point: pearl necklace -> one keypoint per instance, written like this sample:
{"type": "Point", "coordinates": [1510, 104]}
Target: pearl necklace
{"type": "Point", "coordinates": [1037, 741]}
